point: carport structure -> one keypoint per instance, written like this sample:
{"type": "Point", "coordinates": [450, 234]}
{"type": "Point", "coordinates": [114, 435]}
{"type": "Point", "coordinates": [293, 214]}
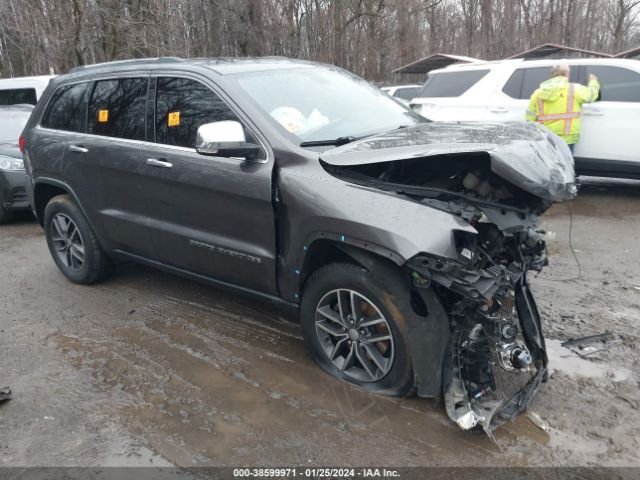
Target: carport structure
{"type": "Point", "coordinates": [633, 53]}
{"type": "Point", "coordinates": [547, 50]}
{"type": "Point", "coordinates": [551, 50]}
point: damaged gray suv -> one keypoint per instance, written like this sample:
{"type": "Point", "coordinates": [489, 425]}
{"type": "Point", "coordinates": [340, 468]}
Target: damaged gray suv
{"type": "Point", "coordinates": [404, 245]}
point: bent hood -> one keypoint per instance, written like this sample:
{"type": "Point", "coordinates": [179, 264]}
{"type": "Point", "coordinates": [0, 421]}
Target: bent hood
{"type": "Point", "coordinates": [525, 154]}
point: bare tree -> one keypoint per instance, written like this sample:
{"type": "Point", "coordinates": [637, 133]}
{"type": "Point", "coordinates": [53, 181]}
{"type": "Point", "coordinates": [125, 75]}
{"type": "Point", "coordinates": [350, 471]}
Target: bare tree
{"type": "Point", "coordinates": [369, 37]}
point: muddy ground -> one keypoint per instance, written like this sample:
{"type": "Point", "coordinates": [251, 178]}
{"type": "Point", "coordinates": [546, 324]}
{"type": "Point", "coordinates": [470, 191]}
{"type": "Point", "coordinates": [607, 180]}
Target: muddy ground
{"type": "Point", "coordinates": [150, 369]}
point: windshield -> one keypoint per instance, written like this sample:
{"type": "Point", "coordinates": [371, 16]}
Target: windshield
{"type": "Point", "coordinates": [316, 104]}
{"type": "Point", "coordinates": [12, 123]}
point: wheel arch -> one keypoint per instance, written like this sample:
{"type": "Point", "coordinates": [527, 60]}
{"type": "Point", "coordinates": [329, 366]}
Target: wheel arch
{"type": "Point", "coordinates": [427, 322]}
{"type": "Point", "coordinates": [45, 189]}
{"type": "Point", "coordinates": [324, 250]}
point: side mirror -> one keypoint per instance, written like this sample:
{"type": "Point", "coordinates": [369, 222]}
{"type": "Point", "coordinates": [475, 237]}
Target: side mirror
{"type": "Point", "coordinates": [225, 139]}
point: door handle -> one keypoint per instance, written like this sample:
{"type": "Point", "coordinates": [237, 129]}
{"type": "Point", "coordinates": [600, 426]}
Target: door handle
{"type": "Point", "coordinates": [499, 110]}
{"type": "Point", "coordinates": [592, 112]}
{"type": "Point", "coordinates": [78, 149]}
{"type": "Point", "coordinates": [154, 162]}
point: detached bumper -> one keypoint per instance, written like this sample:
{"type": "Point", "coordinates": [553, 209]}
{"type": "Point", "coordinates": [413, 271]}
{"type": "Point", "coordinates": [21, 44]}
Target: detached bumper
{"type": "Point", "coordinates": [13, 194]}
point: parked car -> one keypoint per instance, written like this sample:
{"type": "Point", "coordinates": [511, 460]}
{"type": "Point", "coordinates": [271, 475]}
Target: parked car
{"type": "Point", "coordinates": [500, 91]}
{"type": "Point", "coordinates": [21, 90]}
{"type": "Point", "coordinates": [395, 240]}
{"type": "Point", "coordinates": [13, 196]}
{"type": "Point", "coordinates": [404, 93]}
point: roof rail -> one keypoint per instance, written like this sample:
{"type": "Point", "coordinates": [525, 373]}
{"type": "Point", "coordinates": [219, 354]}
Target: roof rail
{"type": "Point", "coordinates": [133, 61]}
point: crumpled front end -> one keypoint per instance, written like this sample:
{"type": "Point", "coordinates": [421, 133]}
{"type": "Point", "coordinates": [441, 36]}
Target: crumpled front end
{"type": "Point", "coordinates": [496, 358]}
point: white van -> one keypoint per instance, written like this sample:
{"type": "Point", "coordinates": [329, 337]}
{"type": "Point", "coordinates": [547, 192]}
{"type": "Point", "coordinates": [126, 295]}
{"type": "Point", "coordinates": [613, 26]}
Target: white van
{"type": "Point", "coordinates": [499, 91]}
{"type": "Point", "coordinates": [18, 90]}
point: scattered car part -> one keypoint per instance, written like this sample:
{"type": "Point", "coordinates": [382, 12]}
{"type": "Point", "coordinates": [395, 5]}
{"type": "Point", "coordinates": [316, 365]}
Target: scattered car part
{"type": "Point", "coordinates": [591, 344]}
{"type": "Point", "coordinates": [5, 394]}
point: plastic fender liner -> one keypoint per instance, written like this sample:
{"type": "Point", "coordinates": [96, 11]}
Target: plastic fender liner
{"type": "Point", "coordinates": [530, 321]}
{"type": "Point", "coordinates": [429, 337]}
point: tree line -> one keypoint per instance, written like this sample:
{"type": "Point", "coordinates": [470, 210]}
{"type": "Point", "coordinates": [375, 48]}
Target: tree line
{"type": "Point", "coordinates": [368, 37]}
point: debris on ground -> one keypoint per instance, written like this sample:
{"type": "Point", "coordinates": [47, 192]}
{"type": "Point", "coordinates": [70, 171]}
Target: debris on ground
{"type": "Point", "coordinates": [590, 345]}
{"type": "Point", "coordinates": [538, 421]}
{"type": "Point", "coordinates": [5, 394]}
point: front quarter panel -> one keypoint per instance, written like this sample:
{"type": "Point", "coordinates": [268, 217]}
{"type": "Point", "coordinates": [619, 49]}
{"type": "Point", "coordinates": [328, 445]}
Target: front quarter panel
{"type": "Point", "coordinates": [315, 205]}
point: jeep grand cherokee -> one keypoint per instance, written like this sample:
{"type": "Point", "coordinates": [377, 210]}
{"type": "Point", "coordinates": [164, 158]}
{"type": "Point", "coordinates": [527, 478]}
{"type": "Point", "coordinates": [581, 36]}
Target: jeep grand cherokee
{"type": "Point", "coordinates": [403, 245]}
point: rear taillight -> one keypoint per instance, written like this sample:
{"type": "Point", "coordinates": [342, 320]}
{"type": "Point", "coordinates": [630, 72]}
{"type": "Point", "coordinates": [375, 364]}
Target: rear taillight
{"type": "Point", "coordinates": [22, 144]}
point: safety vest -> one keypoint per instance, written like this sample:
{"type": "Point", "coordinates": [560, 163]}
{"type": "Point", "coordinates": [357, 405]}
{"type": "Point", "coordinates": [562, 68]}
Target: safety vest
{"type": "Point", "coordinates": [557, 105]}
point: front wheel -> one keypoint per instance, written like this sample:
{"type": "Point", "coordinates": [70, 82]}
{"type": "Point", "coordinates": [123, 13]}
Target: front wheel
{"type": "Point", "coordinates": [354, 325]}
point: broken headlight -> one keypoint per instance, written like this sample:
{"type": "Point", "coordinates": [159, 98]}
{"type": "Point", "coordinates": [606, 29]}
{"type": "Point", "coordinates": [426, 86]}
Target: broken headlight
{"type": "Point", "coordinates": [466, 246]}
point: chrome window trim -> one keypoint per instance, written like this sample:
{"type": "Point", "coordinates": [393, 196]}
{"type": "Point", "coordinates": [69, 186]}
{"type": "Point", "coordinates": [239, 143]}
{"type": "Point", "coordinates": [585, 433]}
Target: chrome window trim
{"type": "Point", "coordinates": [153, 75]}
{"type": "Point", "coordinates": [147, 144]}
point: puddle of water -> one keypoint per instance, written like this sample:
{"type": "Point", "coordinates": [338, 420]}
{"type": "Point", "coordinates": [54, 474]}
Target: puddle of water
{"type": "Point", "coordinates": [563, 360]}
{"type": "Point", "coordinates": [214, 411]}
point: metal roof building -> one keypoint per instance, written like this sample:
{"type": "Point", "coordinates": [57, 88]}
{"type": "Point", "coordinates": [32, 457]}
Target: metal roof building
{"type": "Point", "coordinates": [546, 50]}
{"type": "Point", "coordinates": [633, 53]}
{"type": "Point", "coordinates": [433, 62]}
{"type": "Point", "coordinates": [551, 50]}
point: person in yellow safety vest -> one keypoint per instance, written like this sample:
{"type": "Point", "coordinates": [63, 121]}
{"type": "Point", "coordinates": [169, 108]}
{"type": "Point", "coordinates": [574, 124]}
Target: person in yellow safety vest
{"type": "Point", "coordinates": [557, 103]}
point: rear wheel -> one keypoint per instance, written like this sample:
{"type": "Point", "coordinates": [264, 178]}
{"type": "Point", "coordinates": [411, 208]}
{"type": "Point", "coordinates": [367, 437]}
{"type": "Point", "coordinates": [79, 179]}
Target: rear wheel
{"type": "Point", "coordinates": [73, 245]}
{"type": "Point", "coordinates": [354, 326]}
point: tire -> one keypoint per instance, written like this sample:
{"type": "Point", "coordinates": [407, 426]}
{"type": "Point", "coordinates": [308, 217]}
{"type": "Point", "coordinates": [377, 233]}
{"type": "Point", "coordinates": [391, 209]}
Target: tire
{"type": "Point", "coordinates": [373, 297]}
{"type": "Point", "coordinates": [85, 266]}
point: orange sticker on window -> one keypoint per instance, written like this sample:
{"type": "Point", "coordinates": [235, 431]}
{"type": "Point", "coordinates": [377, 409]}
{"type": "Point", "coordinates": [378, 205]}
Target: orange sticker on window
{"type": "Point", "coordinates": [173, 119]}
{"type": "Point", "coordinates": [103, 116]}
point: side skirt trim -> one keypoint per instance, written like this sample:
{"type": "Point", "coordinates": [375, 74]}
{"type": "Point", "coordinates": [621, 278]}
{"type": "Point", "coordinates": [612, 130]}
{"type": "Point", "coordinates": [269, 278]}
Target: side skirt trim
{"type": "Point", "coordinates": [289, 307]}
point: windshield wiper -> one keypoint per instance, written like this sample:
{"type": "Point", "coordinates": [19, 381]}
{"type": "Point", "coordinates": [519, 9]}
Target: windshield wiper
{"type": "Point", "coordinates": [325, 143]}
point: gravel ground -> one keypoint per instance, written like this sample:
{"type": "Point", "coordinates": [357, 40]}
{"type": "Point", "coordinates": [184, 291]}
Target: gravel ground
{"type": "Point", "coordinates": [150, 369]}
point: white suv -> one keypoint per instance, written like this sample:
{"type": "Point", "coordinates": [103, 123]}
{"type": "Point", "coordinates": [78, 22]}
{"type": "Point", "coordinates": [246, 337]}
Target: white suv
{"type": "Point", "coordinates": [404, 93]}
{"type": "Point", "coordinates": [500, 91]}
{"type": "Point", "coordinates": [19, 90]}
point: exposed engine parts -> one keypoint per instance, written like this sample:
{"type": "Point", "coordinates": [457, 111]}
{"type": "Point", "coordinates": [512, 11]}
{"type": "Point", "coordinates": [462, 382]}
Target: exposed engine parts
{"type": "Point", "coordinates": [493, 370]}
{"type": "Point", "coordinates": [497, 357]}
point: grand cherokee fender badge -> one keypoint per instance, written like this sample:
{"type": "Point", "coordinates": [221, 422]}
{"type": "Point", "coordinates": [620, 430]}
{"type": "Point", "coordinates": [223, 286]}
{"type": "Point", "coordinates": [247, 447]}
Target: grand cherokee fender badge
{"type": "Point", "coordinates": [225, 251]}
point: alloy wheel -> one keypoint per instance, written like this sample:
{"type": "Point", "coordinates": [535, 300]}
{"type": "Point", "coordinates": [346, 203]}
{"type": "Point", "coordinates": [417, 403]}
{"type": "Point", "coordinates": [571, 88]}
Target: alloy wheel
{"type": "Point", "coordinates": [354, 335]}
{"type": "Point", "coordinates": [67, 242]}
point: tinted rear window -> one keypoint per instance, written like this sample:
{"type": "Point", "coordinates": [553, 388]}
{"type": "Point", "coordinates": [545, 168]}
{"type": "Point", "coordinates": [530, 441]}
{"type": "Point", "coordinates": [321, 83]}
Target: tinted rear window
{"type": "Point", "coordinates": [617, 84]}
{"type": "Point", "coordinates": [16, 96]}
{"type": "Point", "coordinates": [451, 84]}
{"type": "Point", "coordinates": [67, 109]}
{"type": "Point", "coordinates": [407, 93]}
{"type": "Point", "coordinates": [524, 81]}
{"type": "Point", "coordinates": [117, 108]}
